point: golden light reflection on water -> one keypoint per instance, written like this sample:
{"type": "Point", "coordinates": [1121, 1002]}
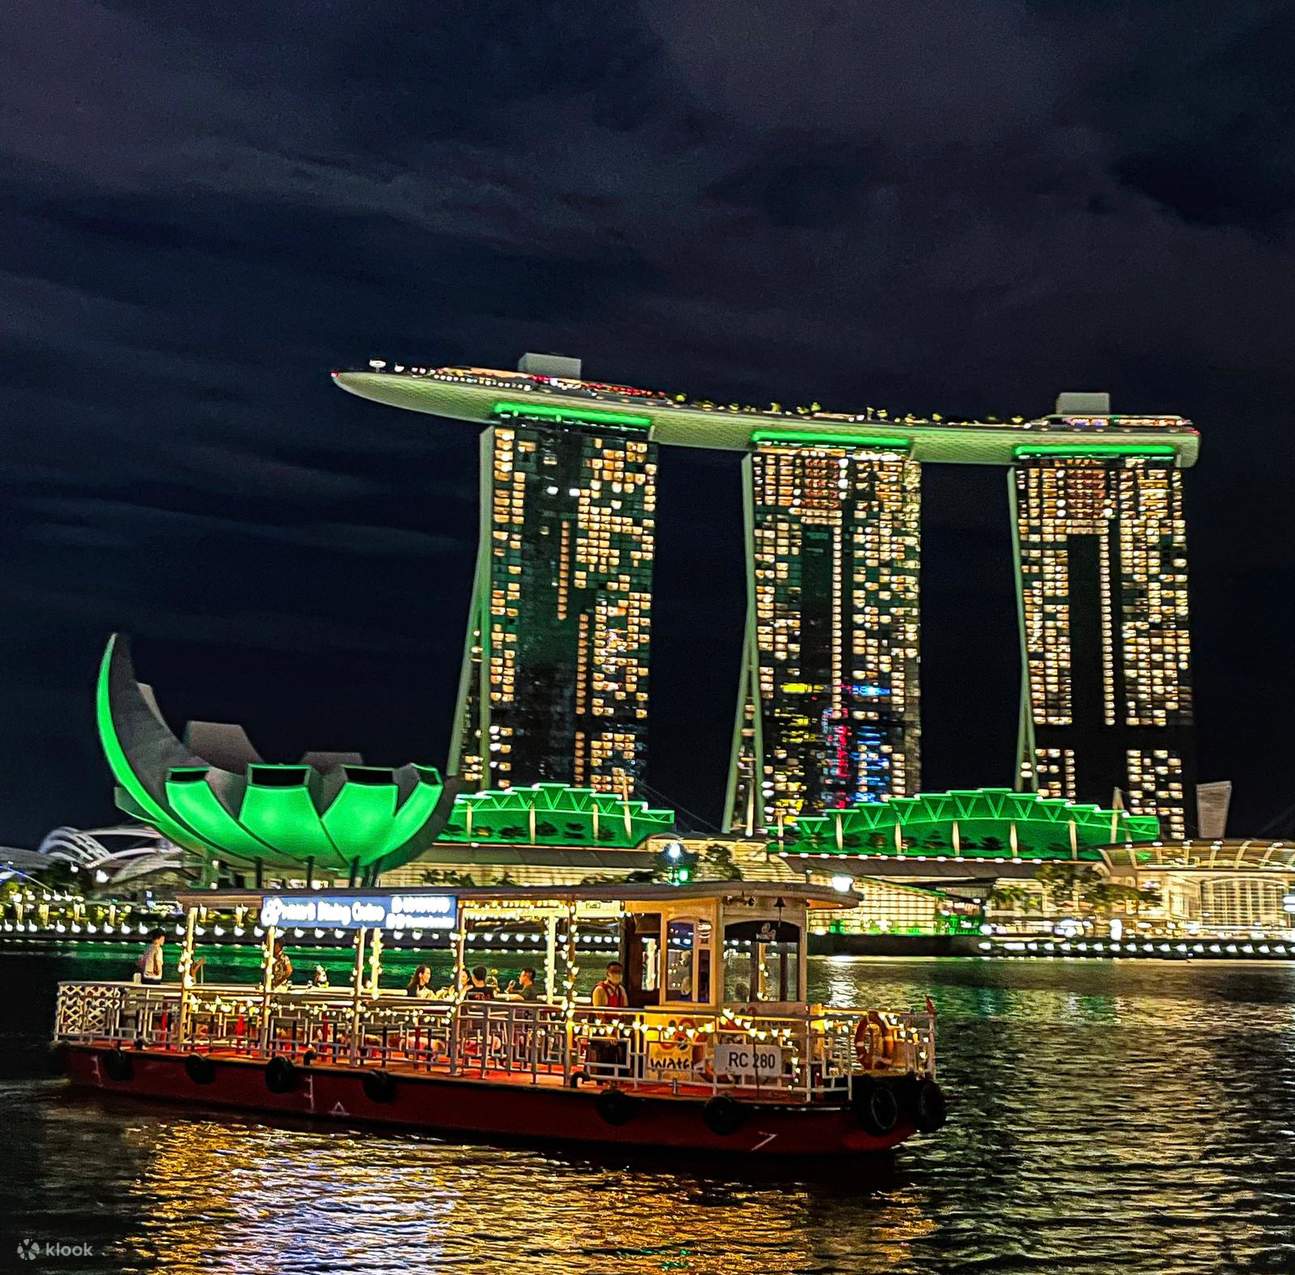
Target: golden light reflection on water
{"type": "Point", "coordinates": [1137, 1118]}
{"type": "Point", "coordinates": [247, 1197]}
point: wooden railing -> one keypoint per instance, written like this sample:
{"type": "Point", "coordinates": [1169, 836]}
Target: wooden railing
{"type": "Point", "coordinates": [806, 1056]}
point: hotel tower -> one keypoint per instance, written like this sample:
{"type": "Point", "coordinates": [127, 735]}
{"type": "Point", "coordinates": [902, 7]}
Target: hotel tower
{"type": "Point", "coordinates": [1100, 544]}
{"type": "Point", "coordinates": [555, 674]}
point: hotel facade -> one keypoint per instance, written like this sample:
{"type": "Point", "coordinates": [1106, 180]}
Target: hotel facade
{"type": "Point", "coordinates": [556, 669]}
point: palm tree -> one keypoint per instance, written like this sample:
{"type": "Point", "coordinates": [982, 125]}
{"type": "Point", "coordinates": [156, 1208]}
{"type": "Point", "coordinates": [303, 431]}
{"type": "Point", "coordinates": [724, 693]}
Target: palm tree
{"type": "Point", "coordinates": [1007, 898]}
{"type": "Point", "coordinates": [1054, 878]}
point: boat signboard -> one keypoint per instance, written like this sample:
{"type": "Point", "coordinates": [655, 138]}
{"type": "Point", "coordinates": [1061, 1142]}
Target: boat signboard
{"type": "Point", "coordinates": [751, 1058]}
{"type": "Point", "coordinates": [355, 911]}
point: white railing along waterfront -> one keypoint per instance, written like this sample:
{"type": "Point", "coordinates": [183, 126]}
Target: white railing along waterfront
{"type": "Point", "coordinates": [808, 1055]}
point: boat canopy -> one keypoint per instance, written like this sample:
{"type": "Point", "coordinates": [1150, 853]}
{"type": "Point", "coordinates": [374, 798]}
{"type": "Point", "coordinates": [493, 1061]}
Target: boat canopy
{"type": "Point", "coordinates": [808, 896]}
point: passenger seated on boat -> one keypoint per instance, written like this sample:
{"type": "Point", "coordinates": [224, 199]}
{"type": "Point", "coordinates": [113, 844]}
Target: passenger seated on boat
{"type": "Point", "coordinates": [420, 984]}
{"type": "Point", "coordinates": [320, 977]}
{"type": "Point", "coordinates": [523, 988]}
{"type": "Point", "coordinates": [478, 988]}
{"type": "Point", "coordinates": [281, 973]}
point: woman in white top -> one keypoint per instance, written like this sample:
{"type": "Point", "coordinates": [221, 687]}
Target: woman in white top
{"type": "Point", "coordinates": [150, 964]}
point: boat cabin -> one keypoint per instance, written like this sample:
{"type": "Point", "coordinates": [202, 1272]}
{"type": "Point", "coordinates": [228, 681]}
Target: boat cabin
{"type": "Point", "coordinates": [701, 946]}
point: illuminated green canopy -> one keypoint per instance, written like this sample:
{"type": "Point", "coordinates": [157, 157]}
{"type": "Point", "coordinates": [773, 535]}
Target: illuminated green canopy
{"type": "Point", "coordinates": [328, 808]}
{"type": "Point", "coordinates": [987, 822]}
{"type": "Point", "coordinates": [554, 814]}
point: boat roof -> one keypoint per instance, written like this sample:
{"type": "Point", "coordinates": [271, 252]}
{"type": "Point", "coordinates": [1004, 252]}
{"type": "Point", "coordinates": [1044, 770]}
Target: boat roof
{"type": "Point", "coordinates": [812, 896]}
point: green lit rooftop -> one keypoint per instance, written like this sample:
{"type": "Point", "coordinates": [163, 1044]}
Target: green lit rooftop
{"type": "Point", "coordinates": [553, 814]}
{"type": "Point", "coordinates": [446, 393]}
{"type": "Point", "coordinates": [992, 823]}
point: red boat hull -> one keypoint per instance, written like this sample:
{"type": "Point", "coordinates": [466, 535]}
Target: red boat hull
{"type": "Point", "coordinates": [480, 1108]}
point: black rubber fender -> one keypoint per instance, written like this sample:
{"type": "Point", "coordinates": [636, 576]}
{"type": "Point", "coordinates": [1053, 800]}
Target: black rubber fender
{"type": "Point", "coordinates": [723, 1115]}
{"type": "Point", "coordinates": [281, 1075]}
{"type": "Point", "coordinates": [379, 1086]}
{"type": "Point", "coordinates": [907, 1088]}
{"type": "Point", "coordinates": [199, 1068]}
{"type": "Point", "coordinates": [876, 1107]}
{"type": "Point", "coordinates": [932, 1108]}
{"type": "Point", "coordinates": [616, 1107]}
{"type": "Point", "coordinates": [118, 1066]}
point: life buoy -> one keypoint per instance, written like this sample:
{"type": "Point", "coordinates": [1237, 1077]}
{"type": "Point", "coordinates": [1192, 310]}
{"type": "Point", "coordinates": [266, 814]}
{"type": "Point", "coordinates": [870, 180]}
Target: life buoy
{"type": "Point", "coordinates": [118, 1066]}
{"type": "Point", "coordinates": [379, 1086]}
{"type": "Point", "coordinates": [200, 1069]}
{"type": "Point", "coordinates": [874, 1041]}
{"type": "Point", "coordinates": [281, 1075]}
{"type": "Point", "coordinates": [681, 1029]}
{"type": "Point", "coordinates": [616, 1107]}
{"type": "Point", "coordinates": [875, 1106]}
{"type": "Point", "coordinates": [723, 1115]}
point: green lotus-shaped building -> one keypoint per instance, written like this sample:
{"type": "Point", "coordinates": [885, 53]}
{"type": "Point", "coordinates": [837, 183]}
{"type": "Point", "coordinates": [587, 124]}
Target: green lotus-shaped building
{"type": "Point", "coordinates": [213, 794]}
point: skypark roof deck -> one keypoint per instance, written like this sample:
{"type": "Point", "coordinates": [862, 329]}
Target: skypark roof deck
{"type": "Point", "coordinates": [489, 397]}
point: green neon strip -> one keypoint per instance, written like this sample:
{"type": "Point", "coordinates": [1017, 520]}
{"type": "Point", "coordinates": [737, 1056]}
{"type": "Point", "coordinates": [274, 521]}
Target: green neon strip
{"type": "Point", "coordinates": [1094, 449]}
{"type": "Point", "coordinates": [120, 765]}
{"type": "Point", "coordinates": [808, 437]}
{"type": "Point", "coordinates": [571, 414]}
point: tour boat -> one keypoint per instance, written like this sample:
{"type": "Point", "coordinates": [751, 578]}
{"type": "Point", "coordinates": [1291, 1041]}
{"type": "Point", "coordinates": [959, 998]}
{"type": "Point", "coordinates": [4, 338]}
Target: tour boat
{"type": "Point", "coordinates": [708, 1043]}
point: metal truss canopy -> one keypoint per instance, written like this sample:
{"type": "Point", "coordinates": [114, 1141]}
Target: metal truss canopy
{"type": "Point", "coordinates": [971, 820]}
{"type": "Point", "coordinates": [554, 814]}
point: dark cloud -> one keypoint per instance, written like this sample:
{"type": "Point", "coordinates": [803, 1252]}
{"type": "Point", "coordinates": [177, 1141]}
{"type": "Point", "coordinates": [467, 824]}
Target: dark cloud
{"type": "Point", "coordinates": [960, 206]}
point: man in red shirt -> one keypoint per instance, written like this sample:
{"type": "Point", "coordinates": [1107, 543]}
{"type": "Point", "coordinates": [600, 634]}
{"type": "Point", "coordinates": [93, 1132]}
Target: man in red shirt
{"type": "Point", "coordinates": [610, 992]}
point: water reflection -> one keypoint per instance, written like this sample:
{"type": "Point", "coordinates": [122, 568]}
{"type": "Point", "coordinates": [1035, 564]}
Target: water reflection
{"type": "Point", "coordinates": [1106, 1116]}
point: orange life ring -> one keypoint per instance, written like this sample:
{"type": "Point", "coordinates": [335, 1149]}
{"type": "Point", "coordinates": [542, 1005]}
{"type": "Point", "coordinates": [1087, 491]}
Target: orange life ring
{"type": "Point", "coordinates": [681, 1037]}
{"type": "Point", "coordinates": [874, 1041]}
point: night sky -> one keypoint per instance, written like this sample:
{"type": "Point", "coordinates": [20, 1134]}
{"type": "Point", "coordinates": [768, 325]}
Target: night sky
{"type": "Point", "coordinates": [952, 205]}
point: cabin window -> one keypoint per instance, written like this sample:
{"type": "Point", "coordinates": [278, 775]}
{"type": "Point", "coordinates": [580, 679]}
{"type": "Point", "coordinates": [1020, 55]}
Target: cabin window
{"type": "Point", "coordinates": [643, 965]}
{"type": "Point", "coordinates": [762, 961]}
{"type": "Point", "coordinates": [688, 958]}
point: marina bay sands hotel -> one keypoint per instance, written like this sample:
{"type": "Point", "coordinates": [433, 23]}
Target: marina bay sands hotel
{"type": "Point", "coordinates": [555, 674]}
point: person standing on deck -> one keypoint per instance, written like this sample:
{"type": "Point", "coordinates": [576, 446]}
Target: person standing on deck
{"type": "Point", "coordinates": [610, 992]}
{"type": "Point", "coordinates": [150, 964]}
{"type": "Point", "coordinates": [281, 974]}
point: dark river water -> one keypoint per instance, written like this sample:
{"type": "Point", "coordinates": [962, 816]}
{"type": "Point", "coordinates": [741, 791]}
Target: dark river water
{"type": "Point", "coordinates": [1105, 1117]}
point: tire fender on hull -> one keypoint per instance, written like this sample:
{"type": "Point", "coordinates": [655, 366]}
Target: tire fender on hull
{"type": "Point", "coordinates": [875, 1106]}
{"type": "Point", "coordinates": [200, 1069]}
{"type": "Point", "coordinates": [379, 1086]}
{"type": "Point", "coordinates": [281, 1075]}
{"type": "Point", "coordinates": [723, 1116]}
{"type": "Point", "coordinates": [931, 1109]}
{"type": "Point", "coordinates": [117, 1066]}
{"type": "Point", "coordinates": [616, 1107]}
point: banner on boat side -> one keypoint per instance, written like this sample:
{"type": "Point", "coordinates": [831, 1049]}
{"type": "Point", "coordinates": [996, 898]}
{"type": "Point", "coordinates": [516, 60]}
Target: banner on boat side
{"type": "Point", "coordinates": [355, 911]}
{"type": "Point", "coordinates": [670, 1060]}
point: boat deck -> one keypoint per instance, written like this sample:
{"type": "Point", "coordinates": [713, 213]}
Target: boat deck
{"type": "Point", "coordinates": [492, 1072]}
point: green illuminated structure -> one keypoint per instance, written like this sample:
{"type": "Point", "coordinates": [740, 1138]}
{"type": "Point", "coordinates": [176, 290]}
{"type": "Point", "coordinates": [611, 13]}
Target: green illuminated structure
{"type": "Point", "coordinates": [554, 814]}
{"type": "Point", "coordinates": [328, 811]}
{"type": "Point", "coordinates": [992, 823]}
{"type": "Point", "coordinates": [468, 395]}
